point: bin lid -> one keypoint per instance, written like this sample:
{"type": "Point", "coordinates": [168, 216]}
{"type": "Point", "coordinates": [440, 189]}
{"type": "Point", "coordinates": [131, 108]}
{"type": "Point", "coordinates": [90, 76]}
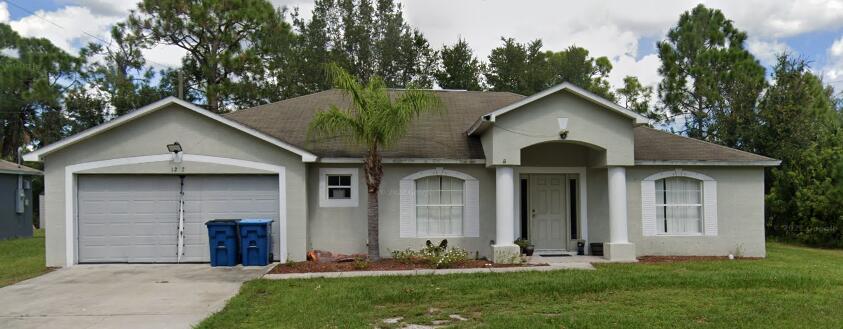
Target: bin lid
{"type": "Point", "coordinates": [231, 222]}
{"type": "Point", "coordinates": [255, 221]}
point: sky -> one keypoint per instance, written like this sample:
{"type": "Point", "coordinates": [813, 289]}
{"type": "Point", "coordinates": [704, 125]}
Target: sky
{"type": "Point", "coordinates": [624, 31]}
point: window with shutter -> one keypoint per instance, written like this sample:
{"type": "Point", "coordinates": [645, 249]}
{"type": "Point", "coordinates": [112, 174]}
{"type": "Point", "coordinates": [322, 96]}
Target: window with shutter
{"type": "Point", "coordinates": [679, 202]}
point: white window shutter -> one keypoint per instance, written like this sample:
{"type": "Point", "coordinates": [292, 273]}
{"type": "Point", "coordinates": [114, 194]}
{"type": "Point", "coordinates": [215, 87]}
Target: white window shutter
{"type": "Point", "coordinates": [471, 219]}
{"type": "Point", "coordinates": [648, 208]}
{"type": "Point", "coordinates": [407, 188]}
{"type": "Point", "coordinates": [710, 207]}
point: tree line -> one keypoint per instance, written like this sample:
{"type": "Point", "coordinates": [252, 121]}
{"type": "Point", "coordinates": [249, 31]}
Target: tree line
{"type": "Point", "coordinates": [242, 53]}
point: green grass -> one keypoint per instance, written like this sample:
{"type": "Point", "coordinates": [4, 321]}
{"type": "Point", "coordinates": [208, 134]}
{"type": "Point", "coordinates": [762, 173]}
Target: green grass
{"type": "Point", "coordinates": [794, 287]}
{"type": "Point", "coordinates": [22, 258]}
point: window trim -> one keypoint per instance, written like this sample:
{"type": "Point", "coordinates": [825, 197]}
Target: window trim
{"type": "Point", "coordinates": [471, 203]}
{"type": "Point", "coordinates": [700, 206]}
{"type": "Point", "coordinates": [708, 194]}
{"type": "Point", "coordinates": [441, 205]}
{"type": "Point", "coordinates": [353, 201]}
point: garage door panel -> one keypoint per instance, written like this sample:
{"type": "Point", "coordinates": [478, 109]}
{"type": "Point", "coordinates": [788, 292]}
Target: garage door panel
{"type": "Point", "coordinates": [134, 218]}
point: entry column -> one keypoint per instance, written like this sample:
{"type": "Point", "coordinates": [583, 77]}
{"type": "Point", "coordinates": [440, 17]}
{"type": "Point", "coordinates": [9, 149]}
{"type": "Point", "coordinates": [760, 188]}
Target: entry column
{"type": "Point", "coordinates": [619, 248]}
{"type": "Point", "coordinates": [504, 251]}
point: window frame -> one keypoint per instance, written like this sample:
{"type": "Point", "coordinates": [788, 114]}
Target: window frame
{"type": "Point", "coordinates": [408, 226]}
{"type": "Point", "coordinates": [352, 201]}
{"type": "Point", "coordinates": [708, 199]}
{"type": "Point", "coordinates": [700, 206]}
{"type": "Point", "coordinates": [441, 205]}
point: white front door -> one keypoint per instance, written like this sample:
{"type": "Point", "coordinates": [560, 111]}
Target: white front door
{"type": "Point", "coordinates": [547, 212]}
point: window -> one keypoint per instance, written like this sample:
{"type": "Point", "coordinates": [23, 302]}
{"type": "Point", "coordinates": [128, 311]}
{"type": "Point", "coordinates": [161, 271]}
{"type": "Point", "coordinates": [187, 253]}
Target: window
{"type": "Point", "coordinates": [338, 187]}
{"type": "Point", "coordinates": [439, 206]}
{"type": "Point", "coordinates": [679, 205]}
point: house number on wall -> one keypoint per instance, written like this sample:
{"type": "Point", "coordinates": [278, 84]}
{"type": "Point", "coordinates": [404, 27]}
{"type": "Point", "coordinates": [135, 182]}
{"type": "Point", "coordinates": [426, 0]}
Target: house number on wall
{"type": "Point", "coordinates": [177, 169]}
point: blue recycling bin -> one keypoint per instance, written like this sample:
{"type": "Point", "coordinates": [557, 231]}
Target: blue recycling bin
{"type": "Point", "coordinates": [222, 239]}
{"type": "Point", "coordinates": [254, 241]}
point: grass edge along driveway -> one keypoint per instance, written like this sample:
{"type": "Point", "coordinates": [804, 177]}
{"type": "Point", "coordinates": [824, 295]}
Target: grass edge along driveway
{"type": "Point", "coordinates": [22, 258]}
{"type": "Point", "coordinates": [794, 287]}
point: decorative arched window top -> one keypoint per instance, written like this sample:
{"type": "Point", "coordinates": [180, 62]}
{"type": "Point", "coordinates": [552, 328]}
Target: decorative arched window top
{"type": "Point", "coordinates": [679, 202]}
{"type": "Point", "coordinates": [439, 203]}
{"type": "Point", "coordinates": [439, 172]}
{"type": "Point", "coordinates": [678, 173]}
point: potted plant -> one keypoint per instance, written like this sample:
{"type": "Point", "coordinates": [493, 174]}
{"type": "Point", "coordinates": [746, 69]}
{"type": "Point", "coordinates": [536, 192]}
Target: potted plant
{"type": "Point", "coordinates": [529, 249]}
{"type": "Point", "coordinates": [523, 244]}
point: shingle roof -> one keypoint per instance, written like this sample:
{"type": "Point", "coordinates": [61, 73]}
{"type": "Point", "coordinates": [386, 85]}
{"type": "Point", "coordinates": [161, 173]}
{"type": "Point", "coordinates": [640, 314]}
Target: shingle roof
{"type": "Point", "coordinates": [443, 135]}
{"type": "Point", "coordinates": [7, 167]}
{"type": "Point", "coordinates": [657, 145]}
{"type": "Point", "coordinates": [433, 135]}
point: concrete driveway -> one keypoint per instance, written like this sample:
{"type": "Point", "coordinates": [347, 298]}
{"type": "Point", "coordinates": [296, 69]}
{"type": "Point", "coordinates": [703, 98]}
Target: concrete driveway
{"type": "Point", "coordinates": [121, 296]}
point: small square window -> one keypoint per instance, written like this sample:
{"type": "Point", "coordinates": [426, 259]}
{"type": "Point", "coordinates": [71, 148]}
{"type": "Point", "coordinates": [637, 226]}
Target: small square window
{"type": "Point", "coordinates": [339, 187]}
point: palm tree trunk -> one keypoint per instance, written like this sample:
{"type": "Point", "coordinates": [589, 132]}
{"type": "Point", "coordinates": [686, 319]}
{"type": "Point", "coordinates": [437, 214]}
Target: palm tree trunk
{"type": "Point", "coordinates": [374, 246]}
{"type": "Point", "coordinates": [374, 172]}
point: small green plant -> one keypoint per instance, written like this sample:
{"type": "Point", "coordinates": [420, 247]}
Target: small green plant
{"type": "Point", "coordinates": [406, 256]}
{"type": "Point", "coordinates": [449, 258]}
{"type": "Point", "coordinates": [435, 255]}
{"type": "Point", "coordinates": [360, 264]}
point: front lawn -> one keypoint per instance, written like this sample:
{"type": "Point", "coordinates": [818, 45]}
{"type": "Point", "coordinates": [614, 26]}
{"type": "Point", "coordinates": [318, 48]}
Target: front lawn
{"type": "Point", "coordinates": [794, 287]}
{"type": "Point", "coordinates": [22, 258]}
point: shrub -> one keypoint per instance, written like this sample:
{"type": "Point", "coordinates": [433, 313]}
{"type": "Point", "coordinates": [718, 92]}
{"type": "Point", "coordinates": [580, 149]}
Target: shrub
{"type": "Point", "coordinates": [360, 264]}
{"type": "Point", "coordinates": [438, 256]}
{"type": "Point", "coordinates": [406, 256]}
{"type": "Point", "coordinates": [449, 258]}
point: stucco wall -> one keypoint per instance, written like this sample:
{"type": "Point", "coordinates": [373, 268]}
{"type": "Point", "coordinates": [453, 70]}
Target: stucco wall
{"type": "Point", "coordinates": [536, 122]}
{"type": "Point", "coordinates": [13, 224]}
{"type": "Point", "coordinates": [149, 135]}
{"type": "Point", "coordinates": [344, 230]}
{"type": "Point", "coordinates": [336, 229]}
{"type": "Point", "coordinates": [740, 215]}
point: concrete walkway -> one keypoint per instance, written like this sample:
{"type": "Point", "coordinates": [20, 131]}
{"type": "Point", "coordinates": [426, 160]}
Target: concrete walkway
{"type": "Point", "coordinates": [351, 274]}
{"type": "Point", "coordinates": [121, 296]}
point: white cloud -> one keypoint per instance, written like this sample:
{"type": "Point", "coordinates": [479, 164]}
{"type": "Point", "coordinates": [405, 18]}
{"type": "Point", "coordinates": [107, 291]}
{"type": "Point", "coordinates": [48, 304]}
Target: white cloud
{"type": "Point", "coordinates": [164, 56]}
{"type": "Point", "coordinates": [832, 72]}
{"type": "Point", "coordinates": [10, 52]}
{"type": "Point", "coordinates": [4, 12]}
{"type": "Point", "coordinates": [767, 50]}
{"type": "Point", "coordinates": [105, 7]}
{"type": "Point", "coordinates": [69, 28]}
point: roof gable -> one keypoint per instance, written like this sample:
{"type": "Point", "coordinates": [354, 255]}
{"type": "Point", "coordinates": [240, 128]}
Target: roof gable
{"type": "Point", "coordinates": [151, 108]}
{"type": "Point", "coordinates": [566, 86]}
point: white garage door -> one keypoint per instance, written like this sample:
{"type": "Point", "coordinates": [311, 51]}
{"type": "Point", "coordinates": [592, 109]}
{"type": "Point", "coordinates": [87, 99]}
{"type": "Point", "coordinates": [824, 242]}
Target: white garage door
{"type": "Point", "coordinates": [134, 218]}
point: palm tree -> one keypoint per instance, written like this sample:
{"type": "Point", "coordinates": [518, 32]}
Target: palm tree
{"type": "Point", "coordinates": [374, 120]}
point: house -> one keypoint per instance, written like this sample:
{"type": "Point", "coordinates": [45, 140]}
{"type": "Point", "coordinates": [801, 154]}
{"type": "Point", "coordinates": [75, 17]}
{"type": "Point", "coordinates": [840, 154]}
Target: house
{"type": "Point", "coordinates": [16, 200]}
{"type": "Point", "coordinates": [557, 167]}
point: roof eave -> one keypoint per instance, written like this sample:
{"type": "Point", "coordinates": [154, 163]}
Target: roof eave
{"type": "Point", "coordinates": [21, 172]}
{"type": "Point", "coordinates": [39, 154]}
{"type": "Point", "coordinates": [723, 163]}
{"type": "Point", "coordinates": [638, 119]}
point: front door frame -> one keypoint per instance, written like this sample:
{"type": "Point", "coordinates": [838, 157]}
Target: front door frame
{"type": "Point", "coordinates": [583, 196]}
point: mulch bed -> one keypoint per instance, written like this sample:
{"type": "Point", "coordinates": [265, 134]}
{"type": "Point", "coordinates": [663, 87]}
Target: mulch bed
{"type": "Point", "coordinates": [676, 259]}
{"type": "Point", "coordinates": [381, 265]}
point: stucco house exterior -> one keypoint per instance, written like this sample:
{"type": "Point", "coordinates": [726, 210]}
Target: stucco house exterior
{"type": "Point", "coordinates": [557, 167]}
{"type": "Point", "coordinates": [16, 200]}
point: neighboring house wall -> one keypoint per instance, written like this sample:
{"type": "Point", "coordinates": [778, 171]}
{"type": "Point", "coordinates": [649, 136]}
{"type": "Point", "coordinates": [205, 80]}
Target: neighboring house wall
{"type": "Point", "coordinates": [740, 215]}
{"type": "Point", "coordinates": [149, 135]}
{"type": "Point", "coordinates": [13, 224]}
{"type": "Point", "coordinates": [537, 122]}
